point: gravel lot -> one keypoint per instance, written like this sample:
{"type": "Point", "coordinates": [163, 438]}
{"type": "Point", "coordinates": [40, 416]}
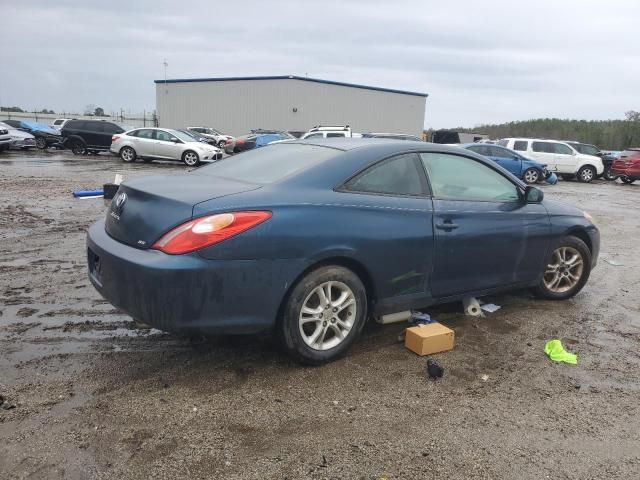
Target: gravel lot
{"type": "Point", "coordinates": [98, 396]}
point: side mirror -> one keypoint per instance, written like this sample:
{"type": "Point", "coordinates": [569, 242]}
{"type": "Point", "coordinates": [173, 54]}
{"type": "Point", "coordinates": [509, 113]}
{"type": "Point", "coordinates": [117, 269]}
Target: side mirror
{"type": "Point", "coordinates": [175, 140]}
{"type": "Point", "coordinates": [533, 195]}
{"type": "Point", "coordinates": [515, 157]}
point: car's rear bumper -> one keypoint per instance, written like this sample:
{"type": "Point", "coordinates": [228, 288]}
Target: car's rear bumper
{"type": "Point", "coordinates": [188, 292]}
{"type": "Point", "coordinates": [626, 172]}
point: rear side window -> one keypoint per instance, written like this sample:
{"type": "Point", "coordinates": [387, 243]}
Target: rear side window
{"type": "Point", "coordinates": [519, 145]}
{"type": "Point", "coordinates": [111, 128]}
{"type": "Point", "coordinates": [460, 178]}
{"type": "Point", "coordinates": [269, 164]}
{"type": "Point", "coordinates": [335, 135]}
{"type": "Point", "coordinates": [78, 125]}
{"type": "Point", "coordinates": [401, 175]}
{"type": "Point", "coordinates": [144, 133]}
{"type": "Point", "coordinates": [543, 147]}
{"type": "Point", "coordinates": [500, 152]}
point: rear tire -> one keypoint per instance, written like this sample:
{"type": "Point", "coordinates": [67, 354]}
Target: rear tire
{"type": "Point", "coordinates": [566, 270]}
{"type": "Point", "coordinates": [310, 317]}
{"type": "Point", "coordinates": [191, 158]}
{"type": "Point", "coordinates": [586, 174]}
{"type": "Point", "coordinates": [531, 176]}
{"type": "Point", "coordinates": [222, 144]}
{"type": "Point", "coordinates": [567, 176]}
{"type": "Point", "coordinates": [128, 154]}
{"type": "Point", "coordinates": [41, 143]}
{"type": "Point", "coordinates": [628, 180]}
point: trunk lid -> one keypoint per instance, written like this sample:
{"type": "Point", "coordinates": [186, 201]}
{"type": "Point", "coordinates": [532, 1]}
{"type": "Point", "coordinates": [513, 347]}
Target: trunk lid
{"type": "Point", "coordinates": [146, 208]}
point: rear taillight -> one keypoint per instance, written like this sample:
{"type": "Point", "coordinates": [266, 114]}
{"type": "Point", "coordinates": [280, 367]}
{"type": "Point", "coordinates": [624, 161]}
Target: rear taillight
{"type": "Point", "coordinates": [207, 231]}
{"type": "Point", "coordinates": [114, 138]}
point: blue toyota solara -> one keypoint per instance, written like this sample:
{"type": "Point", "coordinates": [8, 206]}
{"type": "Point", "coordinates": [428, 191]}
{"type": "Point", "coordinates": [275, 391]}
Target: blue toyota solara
{"type": "Point", "coordinates": [311, 238]}
{"type": "Point", "coordinates": [524, 168]}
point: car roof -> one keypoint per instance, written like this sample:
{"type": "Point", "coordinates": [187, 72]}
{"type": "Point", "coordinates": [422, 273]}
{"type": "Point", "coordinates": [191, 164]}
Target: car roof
{"type": "Point", "coordinates": [391, 145]}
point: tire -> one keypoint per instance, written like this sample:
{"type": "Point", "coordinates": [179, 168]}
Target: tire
{"type": "Point", "coordinates": [222, 144]}
{"type": "Point", "coordinates": [191, 158]}
{"type": "Point", "coordinates": [531, 176]}
{"type": "Point", "coordinates": [586, 174]}
{"type": "Point", "coordinates": [297, 337]}
{"type": "Point", "coordinates": [41, 143]}
{"type": "Point", "coordinates": [567, 176]}
{"type": "Point", "coordinates": [558, 263]}
{"type": "Point", "coordinates": [628, 180]}
{"type": "Point", "coordinates": [77, 147]}
{"type": "Point", "coordinates": [607, 174]}
{"type": "Point", "coordinates": [128, 155]}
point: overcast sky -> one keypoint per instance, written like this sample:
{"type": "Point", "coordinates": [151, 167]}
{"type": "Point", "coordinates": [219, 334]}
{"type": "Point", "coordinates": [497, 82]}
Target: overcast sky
{"type": "Point", "coordinates": [480, 62]}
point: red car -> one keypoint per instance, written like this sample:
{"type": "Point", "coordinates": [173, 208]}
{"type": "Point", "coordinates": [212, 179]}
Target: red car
{"type": "Point", "coordinates": [627, 166]}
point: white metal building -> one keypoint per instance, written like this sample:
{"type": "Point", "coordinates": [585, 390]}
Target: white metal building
{"type": "Point", "coordinates": [238, 105]}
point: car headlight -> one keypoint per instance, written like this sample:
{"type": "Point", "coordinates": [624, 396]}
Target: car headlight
{"type": "Point", "coordinates": [589, 217]}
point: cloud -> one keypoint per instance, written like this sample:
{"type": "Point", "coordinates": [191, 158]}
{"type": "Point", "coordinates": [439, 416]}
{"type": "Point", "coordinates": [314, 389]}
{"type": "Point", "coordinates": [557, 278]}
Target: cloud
{"type": "Point", "coordinates": [480, 62]}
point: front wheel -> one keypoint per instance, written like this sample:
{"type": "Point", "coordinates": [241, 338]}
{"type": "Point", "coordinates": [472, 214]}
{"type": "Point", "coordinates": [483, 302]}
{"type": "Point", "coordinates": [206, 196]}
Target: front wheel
{"type": "Point", "coordinates": [222, 144]}
{"type": "Point", "coordinates": [323, 315]}
{"type": "Point", "coordinates": [566, 271]}
{"type": "Point", "coordinates": [128, 154]}
{"type": "Point", "coordinates": [41, 143]}
{"type": "Point", "coordinates": [608, 174]}
{"type": "Point", "coordinates": [531, 176]}
{"type": "Point", "coordinates": [190, 158]}
{"type": "Point", "coordinates": [628, 180]}
{"type": "Point", "coordinates": [586, 174]}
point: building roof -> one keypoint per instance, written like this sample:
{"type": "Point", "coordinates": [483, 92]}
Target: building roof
{"type": "Point", "coordinates": [291, 77]}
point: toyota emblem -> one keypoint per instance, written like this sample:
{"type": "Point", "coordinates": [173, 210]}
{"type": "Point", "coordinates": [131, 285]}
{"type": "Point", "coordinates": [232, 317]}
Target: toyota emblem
{"type": "Point", "coordinates": [120, 200]}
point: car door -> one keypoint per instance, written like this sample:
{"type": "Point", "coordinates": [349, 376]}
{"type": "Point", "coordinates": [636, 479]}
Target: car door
{"type": "Point", "coordinates": [166, 147]}
{"type": "Point", "coordinates": [144, 143]}
{"type": "Point", "coordinates": [393, 228]}
{"type": "Point", "coordinates": [545, 152]}
{"type": "Point", "coordinates": [506, 159]}
{"type": "Point", "coordinates": [565, 158]}
{"type": "Point", "coordinates": [485, 235]}
{"type": "Point", "coordinates": [107, 133]}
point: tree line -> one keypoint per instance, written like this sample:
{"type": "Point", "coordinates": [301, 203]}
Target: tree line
{"type": "Point", "coordinates": [606, 134]}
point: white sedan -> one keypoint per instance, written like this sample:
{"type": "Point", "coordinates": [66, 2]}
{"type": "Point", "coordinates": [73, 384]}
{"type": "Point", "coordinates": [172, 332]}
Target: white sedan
{"type": "Point", "coordinates": [162, 143]}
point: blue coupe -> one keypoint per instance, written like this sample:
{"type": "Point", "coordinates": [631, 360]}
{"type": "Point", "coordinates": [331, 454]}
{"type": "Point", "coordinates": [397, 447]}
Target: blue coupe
{"type": "Point", "coordinates": [309, 239]}
{"type": "Point", "coordinates": [525, 169]}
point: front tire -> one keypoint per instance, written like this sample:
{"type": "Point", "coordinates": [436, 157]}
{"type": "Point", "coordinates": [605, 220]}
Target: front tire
{"type": "Point", "coordinates": [222, 144]}
{"type": "Point", "coordinates": [41, 143]}
{"type": "Point", "coordinates": [607, 174]}
{"type": "Point", "coordinates": [531, 176]}
{"type": "Point", "coordinates": [128, 154]}
{"type": "Point", "coordinates": [567, 270]}
{"type": "Point", "coordinates": [190, 158]}
{"type": "Point", "coordinates": [323, 315]}
{"type": "Point", "coordinates": [586, 174]}
{"type": "Point", "coordinates": [77, 147]}
{"type": "Point", "coordinates": [628, 180]}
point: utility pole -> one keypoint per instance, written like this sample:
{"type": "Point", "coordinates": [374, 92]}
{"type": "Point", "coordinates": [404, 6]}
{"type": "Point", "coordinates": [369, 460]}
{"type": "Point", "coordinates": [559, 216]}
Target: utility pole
{"type": "Point", "coordinates": [165, 75]}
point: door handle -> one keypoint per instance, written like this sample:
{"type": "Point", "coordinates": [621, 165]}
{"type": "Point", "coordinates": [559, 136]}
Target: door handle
{"type": "Point", "coordinates": [447, 225]}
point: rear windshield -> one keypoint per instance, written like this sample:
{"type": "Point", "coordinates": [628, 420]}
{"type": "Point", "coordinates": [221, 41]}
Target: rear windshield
{"type": "Point", "coordinates": [269, 164]}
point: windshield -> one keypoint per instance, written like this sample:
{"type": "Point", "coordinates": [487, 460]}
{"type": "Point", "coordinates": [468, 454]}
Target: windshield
{"type": "Point", "coordinates": [269, 164]}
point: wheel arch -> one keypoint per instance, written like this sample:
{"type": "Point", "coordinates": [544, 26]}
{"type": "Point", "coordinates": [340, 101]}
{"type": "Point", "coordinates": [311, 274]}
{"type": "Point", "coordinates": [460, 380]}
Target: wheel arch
{"type": "Point", "coordinates": [582, 235]}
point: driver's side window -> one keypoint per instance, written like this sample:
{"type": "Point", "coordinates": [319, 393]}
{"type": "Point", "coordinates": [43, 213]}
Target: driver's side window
{"type": "Point", "coordinates": [454, 177]}
{"type": "Point", "coordinates": [163, 136]}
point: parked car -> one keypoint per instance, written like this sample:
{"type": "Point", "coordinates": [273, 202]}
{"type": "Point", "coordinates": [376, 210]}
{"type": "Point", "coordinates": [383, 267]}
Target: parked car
{"type": "Point", "coordinates": [558, 156]}
{"type": "Point", "coordinates": [5, 140]}
{"type": "Point", "coordinates": [588, 149]}
{"type": "Point", "coordinates": [254, 140]}
{"type": "Point", "coordinates": [45, 135]}
{"type": "Point", "coordinates": [162, 143]}
{"type": "Point", "coordinates": [220, 138]}
{"type": "Point", "coordinates": [627, 166]}
{"type": "Point", "coordinates": [199, 137]}
{"type": "Point", "coordinates": [58, 123]}
{"type": "Point", "coordinates": [329, 131]}
{"type": "Point", "coordinates": [454, 137]}
{"type": "Point", "coordinates": [20, 140]}
{"type": "Point", "coordinates": [89, 136]}
{"type": "Point", "coordinates": [393, 136]}
{"type": "Point", "coordinates": [529, 171]}
{"type": "Point", "coordinates": [311, 238]}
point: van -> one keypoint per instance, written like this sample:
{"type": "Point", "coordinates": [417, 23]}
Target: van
{"type": "Point", "coordinates": [559, 157]}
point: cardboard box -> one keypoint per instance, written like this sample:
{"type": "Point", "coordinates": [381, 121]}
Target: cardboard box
{"type": "Point", "coordinates": [429, 338]}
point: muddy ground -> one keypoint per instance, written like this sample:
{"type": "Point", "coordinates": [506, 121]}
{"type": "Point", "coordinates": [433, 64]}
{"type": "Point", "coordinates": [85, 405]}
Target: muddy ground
{"type": "Point", "coordinates": [97, 396]}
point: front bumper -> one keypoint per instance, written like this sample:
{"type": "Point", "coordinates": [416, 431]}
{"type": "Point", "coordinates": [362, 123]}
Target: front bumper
{"type": "Point", "coordinates": [188, 293]}
{"type": "Point", "coordinates": [20, 143]}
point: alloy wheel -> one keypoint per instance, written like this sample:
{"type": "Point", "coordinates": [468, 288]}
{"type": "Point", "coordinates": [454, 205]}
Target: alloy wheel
{"type": "Point", "coordinates": [531, 176]}
{"type": "Point", "coordinates": [586, 175]}
{"type": "Point", "coordinates": [127, 155]}
{"type": "Point", "coordinates": [190, 159]}
{"type": "Point", "coordinates": [327, 315]}
{"type": "Point", "coordinates": [41, 143]}
{"type": "Point", "coordinates": [565, 270]}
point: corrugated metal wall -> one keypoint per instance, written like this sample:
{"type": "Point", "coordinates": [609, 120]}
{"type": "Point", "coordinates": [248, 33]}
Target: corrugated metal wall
{"type": "Point", "coordinates": [237, 106]}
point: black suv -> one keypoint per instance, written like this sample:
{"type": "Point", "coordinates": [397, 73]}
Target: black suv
{"type": "Point", "coordinates": [82, 136]}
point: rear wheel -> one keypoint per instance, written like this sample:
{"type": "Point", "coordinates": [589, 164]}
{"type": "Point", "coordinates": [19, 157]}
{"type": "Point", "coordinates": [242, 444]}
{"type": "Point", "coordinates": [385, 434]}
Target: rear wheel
{"type": "Point", "coordinates": [608, 174]}
{"type": "Point", "coordinates": [128, 154]}
{"type": "Point", "coordinates": [628, 180]}
{"type": "Point", "coordinates": [323, 315]}
{"type": "Point", "coordinates": [190, 158]}
{"type": "Point", "coordinates": [222, 144]}
{"type": "Point", "coordinates": [586, 174]}
{"type": "Point", "coordinates": [567, 176]}
{"type": "Point", "coordinates": [531, 176]}
{"type": "Point", "coordinates": [567, 270]}
{"type": "Point", "coordinates": [77, 147]}
{"type": "Point", "coordinates": [41, 143]}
